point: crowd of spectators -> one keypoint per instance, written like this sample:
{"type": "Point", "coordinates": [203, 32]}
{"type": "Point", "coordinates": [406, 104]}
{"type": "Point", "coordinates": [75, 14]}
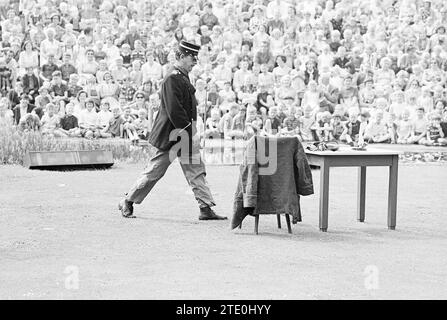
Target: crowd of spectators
{"type": "Point", "coordinates": [322, 70]}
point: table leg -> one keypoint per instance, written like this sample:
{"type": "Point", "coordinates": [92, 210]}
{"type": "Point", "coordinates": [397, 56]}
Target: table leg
{"type": "Point", "coordinates": [392, 193]}
{"type": "Point", "coordinates": [278, 218]}
{"type": "Point", "coordinates": [324, 195]}
{"type": "Point", "coordinates": [361, 194]}
{"type": "Point", "coordinates": [289, 227]}
{"type": "Point", "coordinates": [256, 223]}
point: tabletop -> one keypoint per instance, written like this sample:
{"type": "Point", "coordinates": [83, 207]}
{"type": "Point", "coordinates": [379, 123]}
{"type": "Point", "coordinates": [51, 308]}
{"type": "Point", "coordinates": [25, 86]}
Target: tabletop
{"type": "Point", "coordinates": [347, 151]}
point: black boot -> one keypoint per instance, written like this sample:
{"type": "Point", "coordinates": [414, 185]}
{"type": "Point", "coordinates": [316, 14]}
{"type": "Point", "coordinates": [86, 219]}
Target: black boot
{"type": "Point", "coordinates": [207, 213]}
{"type": "Point", "coordinates": [126, 208]}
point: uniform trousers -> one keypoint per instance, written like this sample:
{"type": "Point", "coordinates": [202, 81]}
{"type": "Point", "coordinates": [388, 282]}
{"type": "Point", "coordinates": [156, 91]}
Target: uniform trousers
{"type": "Point", "coordinates": [193, 168]}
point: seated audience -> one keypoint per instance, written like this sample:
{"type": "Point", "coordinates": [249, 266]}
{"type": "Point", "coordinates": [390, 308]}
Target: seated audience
{"type": "Point", "coordinates": [314, 74]}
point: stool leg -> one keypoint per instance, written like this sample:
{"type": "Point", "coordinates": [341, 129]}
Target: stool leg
{"type": "Point", "coordinates": [278, 218]}
{"type": "Point", "coordinates": [256, 223]}
{"type": "Point", "coordinates": [289, 228]}
{"type": "Point", "coordinates": [299, 211]}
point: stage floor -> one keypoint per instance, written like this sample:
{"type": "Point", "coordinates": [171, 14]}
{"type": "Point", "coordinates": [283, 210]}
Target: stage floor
{"type": "Point", "coordinates": [59, 227]}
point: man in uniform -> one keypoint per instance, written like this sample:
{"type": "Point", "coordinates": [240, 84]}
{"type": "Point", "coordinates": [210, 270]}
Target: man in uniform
{"type": "Point", "coordinates": [174, 135]}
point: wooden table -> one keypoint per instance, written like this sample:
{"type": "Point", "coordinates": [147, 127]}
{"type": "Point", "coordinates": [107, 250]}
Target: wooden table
{"type": "Point", "coordinates": [346, 157]}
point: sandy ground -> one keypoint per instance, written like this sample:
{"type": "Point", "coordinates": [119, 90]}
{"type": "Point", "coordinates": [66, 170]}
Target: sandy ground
{"type": "Point", "coordinates": [61, 237]}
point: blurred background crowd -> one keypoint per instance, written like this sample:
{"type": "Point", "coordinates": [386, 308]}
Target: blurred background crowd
{"type": "Point", "coordinates": [321, 70]}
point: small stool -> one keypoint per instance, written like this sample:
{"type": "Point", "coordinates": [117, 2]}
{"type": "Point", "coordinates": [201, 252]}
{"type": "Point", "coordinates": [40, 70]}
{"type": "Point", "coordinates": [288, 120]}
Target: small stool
{"type": "Point", "coordinates": [278, 218]}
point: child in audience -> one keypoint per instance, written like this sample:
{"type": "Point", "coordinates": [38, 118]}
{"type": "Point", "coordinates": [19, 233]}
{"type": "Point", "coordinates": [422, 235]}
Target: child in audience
{"type": "Point", "coordinates": [312, 95]}
{"type": "Point", "coordinates": [419, 127]}
{"type": "Point", "coordinates": [115, 127]}
{"type": "Point", "coordinates": [290, 122]}
{"type": "Point", "coordinates": [322, 126]}
{"type": "Point", "coordinates": [226, 97]}
{"type": "Point", "coordinates": [266, 79]}
{"type": "Point", "coordinates": [102, 69]}
{"type": "Point", "coordinates": [69, 123]}
{"type": "Point", "coordinates": [128, 125]}
{"type": "Point", "coordinates": [282, 112]}
{"type": "Point", "coordinates": [377, 130]}
{"type": "Point", "coordinates": [272, 125]}
{"type": "Point", "coordinates": [212, 131]}
{"type": "Point", "coordinates": [88, 119]}
{"type": "Point", "coordinates": [391, 122]}
{"type": "Point", "coordinates": [404, 128]}
{"type": "Point", "coordinates": [253, 123]}
{"type": "Point", "coordinates": [213, 95]}
{"type": "Point", "coordinates": [43, 98]}
{"type": "Point", "coordinates": [51, 122]}
{"type": "Point", "coordinates": [142, 124]}
{"type": "Point", "coordinates": [126, 54]}
{"type": "Point", "coordinates": [67, 68]}
{"type": "Point", "coordinates": [352, 129]}
{"type": "Point", "coordinates": [261, 98]}
{"type": "Point", "coordinates": [270, 102]}
{"type": "Point", "coordinates": [298, 112]}
{"type": "Point", "coordinates": [426, 100]}
{"type": "Point", "coordinates": [344, 116]}
{"type": "Point", "coordinates": [364, 119]}
{"type": "Point", "coordinates": [398, 105]}
{"type": "Point", "coordinates": [381, 105]}
{"type": "Point", "coordinates": [337, 127]}
{"type": "Point", "coordinates": [290, 128]}
{"type": "Point", "coordinates": [59, 92]}
{"type": "Point", "coordinates": [367, 95]}
{"type": "Point", "coordinates": [104, 115]}
{"type": "Point", "coordinates": [136, 75]}
{"type": "Point", "coordinates": [29, 122]}
{"type": "Point", "coordinates": [349, 98]}
{"type": "Point", "coordinates": [212, 125]}
{"type": "Point", "coordinates": [306, 123]}
{"type": "Point", "coordinates": [122, 101]}
{"type": "Point", "coordinates": [440, 106]}
{"type": "Point", "coordinates": [435, 135]}
{"type": "Point", "coordinates": [238, 124]}
{"type": "Point", "coordinates": [72, 87]}
{"type": "Point", "coordinates": [6, 114]}
{"type": "Point", "coordinates": [129, 91]}
{"type": "Point", "coordinates": [227, 120]}
{"type": "Point", "coordinates": [412, 106]}
{"type": "Point", "coordinates": [48, 68]}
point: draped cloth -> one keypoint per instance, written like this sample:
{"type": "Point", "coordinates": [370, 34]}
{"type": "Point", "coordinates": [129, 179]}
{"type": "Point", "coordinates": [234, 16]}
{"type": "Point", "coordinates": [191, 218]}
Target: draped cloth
{"type": "Point", "coordinates": [274, 174]}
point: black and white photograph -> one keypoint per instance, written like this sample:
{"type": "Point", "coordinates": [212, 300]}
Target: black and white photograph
{"type": "Point", "coordinates": [223, 150]}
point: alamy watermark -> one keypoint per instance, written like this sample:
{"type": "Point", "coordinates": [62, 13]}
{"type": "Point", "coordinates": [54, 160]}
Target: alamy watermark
{"type": "Point", "coordinates": [262, 152]}
{"type": "Point", "coordinates": [371, 280]}
{"type": "Point", "coordinates": [72, 278]}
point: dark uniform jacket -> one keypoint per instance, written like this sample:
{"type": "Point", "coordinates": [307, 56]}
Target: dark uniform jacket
{"type": "Point", "coordinates": [272, 181]}
{"type": "Point", "coordinates": [178, 110]}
